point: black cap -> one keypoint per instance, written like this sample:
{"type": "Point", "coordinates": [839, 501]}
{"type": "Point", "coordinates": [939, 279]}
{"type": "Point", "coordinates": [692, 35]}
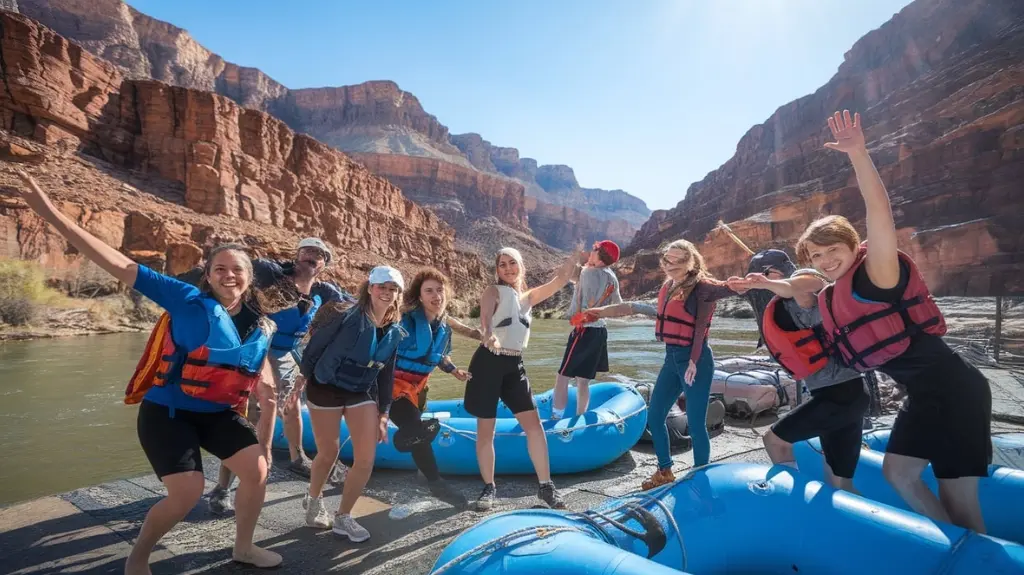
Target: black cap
{"type": "Point", "coordinates": [771, 259]}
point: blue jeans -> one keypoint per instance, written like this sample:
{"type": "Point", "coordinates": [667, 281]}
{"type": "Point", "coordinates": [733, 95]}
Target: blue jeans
{"type": "Point", "coordinates": [666, 391]}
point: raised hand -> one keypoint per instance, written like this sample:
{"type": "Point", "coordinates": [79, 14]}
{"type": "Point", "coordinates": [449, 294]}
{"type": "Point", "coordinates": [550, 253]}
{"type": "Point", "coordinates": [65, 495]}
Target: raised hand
{"type": "Point", "coordinates": [35, 197]}
{"type": "Point", "coordinates": [847, 132]}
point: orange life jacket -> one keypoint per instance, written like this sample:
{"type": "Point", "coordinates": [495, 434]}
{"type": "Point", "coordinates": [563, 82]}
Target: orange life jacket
{"type": "Point", "coordinates": [800, 352]}
{"type": "Point", "coordinates": [223, 370]}
{"type": "Point", "coordinates": [868, 334]}
{"type": "Point", "coordinates": [675, 323]}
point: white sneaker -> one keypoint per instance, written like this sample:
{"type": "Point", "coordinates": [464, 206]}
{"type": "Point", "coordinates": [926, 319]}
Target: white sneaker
{"type": "Point", "coordinates": [347, 526]}
{"type": "Point", "coordinates": [316, 514]}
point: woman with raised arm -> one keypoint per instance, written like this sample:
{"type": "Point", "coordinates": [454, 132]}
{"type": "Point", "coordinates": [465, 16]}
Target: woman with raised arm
{"type": "Point", "coordinates": [880, 315]}
{"type": "Point", "coordinates": [686, 304]}
{"type": "Point", "coordinates": [205, 356]}
{"type": "Point", "coordinates": [497, 371]}
{"type": "Point", "coordinates": [791, 329]}
{"type": "Point", "coordinates": [349, 365]}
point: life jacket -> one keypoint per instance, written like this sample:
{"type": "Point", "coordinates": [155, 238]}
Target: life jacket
{"type": "Point", "coordinates": [223, 370]}
{"type": "Point", "coordinates": [346, 353]}
{"type": "Point", "coordinates": [292, 325]}
{"type": "Point", "coordinates": [676, 320]}
{"type": "Point", "coordinates": [868, 334]}
{"type": "Point", "coordinates": [801, 352]}
{"type": "Point", "coordinates": [419, 354]}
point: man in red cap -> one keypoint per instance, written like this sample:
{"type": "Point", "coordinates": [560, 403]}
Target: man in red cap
{"type": "Point", "coordinates": [586, 353]}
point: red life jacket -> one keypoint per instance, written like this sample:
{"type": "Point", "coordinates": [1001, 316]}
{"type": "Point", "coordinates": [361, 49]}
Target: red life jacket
{"type": "Point", "coordinates": [675, 324]}
{"type": "Point", "coordinates": [223, 370]}
{"type": "Point", "coordinates": [868, 334]}
{"type": "Point", "coordinates": [800, 352]}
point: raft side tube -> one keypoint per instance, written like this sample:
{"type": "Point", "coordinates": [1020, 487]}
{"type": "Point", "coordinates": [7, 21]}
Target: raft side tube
{"type": "Point", "coordinates": [613, 425]}
{"type": "Point", "coordinates": [1001, 493]}
{"type": "Point", "coordinates": [717, 521]}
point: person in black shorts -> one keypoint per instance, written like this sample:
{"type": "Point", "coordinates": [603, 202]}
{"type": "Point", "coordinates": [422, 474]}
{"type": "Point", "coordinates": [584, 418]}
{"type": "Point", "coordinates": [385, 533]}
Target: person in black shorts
{"type": "Point", "coordinates": [880, 314]}
{"type": "Point", "coordinates": [497, 371]}
{"type": "Point", "coordinates": [586, 352]}
{"type": "Point", "coordinates": [204, 358]}
{"type": "Point", "coordinates": [838, 401]}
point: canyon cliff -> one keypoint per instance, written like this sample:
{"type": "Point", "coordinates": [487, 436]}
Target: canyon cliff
{"type": "Point", "coordinates": [368, 119]}
{"type": "Point", "coordinates": [941, 91]}
{"type": "Point", "coordinates": [164, 172]}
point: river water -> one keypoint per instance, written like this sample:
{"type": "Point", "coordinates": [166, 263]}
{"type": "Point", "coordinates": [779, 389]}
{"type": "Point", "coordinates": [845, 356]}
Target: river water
{"type": "Point", "coordinates": [63, 424]}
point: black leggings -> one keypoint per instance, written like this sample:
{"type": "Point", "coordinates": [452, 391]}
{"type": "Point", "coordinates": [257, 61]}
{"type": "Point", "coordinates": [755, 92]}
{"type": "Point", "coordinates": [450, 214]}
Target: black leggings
{"type": "Point", "coordinates": [406, 415]}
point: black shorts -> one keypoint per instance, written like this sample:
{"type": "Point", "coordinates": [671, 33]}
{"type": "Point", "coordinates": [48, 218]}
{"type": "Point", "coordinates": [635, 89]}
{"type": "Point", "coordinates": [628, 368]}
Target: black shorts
{"type": "Point", "coordinates": [326, 396]}
{"type": "Point", "coordinates": [497, 377]}
{"type": "Point", "coordinates": [947, 420]}
{"type": "Point", "coordinates": [172, 444]}
{"type": "Point", "coordinates": [586, 353]}
{"type": "Point", "coordinates": [836, 415]}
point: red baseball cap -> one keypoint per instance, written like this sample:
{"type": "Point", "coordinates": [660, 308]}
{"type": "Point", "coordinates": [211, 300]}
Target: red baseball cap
{"type": "Point", "coordinates": [610, 248]}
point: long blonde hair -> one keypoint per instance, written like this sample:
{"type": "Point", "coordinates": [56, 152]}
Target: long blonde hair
{"type": "Point", "coordinates": [513, 253]}
{"type": "Point", "coordinates": [698, 272]}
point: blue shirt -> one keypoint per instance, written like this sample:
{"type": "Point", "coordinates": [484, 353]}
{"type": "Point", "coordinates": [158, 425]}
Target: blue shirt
{"type": "Point", "coordinates": [190, 328]}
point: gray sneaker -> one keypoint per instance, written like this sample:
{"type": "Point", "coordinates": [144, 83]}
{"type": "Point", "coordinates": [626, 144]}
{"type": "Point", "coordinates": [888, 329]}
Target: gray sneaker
{"type": "Point", "coordinates": [486, 499]}
{"type": "Point", "coordinates": [301, 466]}
{"type": "Point", "coordinates": [345, 525]}
{"type": "Point", "coordinates": [338, 474]}
{"type": "Point", "coordinates": [548, 494]}
{"type": "Point", "coordinates": [220, 501]}
{"type": "Point", "coordinates": [316, 513]}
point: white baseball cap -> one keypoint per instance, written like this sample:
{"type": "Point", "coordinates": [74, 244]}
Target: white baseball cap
{"type": "Point", "coordinates": [384, 274]}
{"type": "Point", "coordinates": [318, 244]}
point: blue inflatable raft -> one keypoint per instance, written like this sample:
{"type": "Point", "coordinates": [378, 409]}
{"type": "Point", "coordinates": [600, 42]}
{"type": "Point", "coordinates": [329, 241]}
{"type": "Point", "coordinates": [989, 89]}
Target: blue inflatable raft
{"type": "Point", "coordinates": [726, 519]}
{"type": "Point", "coordinates": [614, 424]}
{"type": "Point", "coordinates": [1001, 493]}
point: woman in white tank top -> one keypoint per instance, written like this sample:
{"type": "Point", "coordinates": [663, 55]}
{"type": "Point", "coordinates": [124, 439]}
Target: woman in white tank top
{"type": "Point", "coordinates": [498, 373]}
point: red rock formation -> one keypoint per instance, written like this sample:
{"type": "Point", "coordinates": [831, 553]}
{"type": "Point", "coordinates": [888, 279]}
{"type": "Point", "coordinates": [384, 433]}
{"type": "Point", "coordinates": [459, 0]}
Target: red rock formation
{"type": "Point", "coordinates": [939, 87]}
{"type": "Point", "coordinates": [234, 173]}
{"type": "Point", "coordinates": [373, 117]}
{"type": "Point", "coordinates": [458, 193]}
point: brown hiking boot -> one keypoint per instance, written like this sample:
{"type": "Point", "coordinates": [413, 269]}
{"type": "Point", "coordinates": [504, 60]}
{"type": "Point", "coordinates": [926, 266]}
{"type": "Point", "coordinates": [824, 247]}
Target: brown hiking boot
{"type": "Point", "coordinates": [660, 477]}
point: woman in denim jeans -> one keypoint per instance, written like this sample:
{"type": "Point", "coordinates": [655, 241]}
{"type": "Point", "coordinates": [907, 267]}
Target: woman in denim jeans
{"type": "Point", "coordinates": [686, 303]}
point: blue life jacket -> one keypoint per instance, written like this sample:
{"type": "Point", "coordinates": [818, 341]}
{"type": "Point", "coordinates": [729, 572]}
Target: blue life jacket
{"type": "Point", "coordinates": [423, 349]}
{"type": "Point", "coordinates": [346, 353]}
{"type": "Point", "coordinates": [292, 325]}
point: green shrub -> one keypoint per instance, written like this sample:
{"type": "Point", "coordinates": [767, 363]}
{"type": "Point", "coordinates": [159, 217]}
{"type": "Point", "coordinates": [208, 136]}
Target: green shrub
{"type": "Point", "coordinates": [23, 291]}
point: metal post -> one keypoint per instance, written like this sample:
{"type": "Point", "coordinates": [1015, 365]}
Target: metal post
{"type": "Point", "coordinates": [999, 328]}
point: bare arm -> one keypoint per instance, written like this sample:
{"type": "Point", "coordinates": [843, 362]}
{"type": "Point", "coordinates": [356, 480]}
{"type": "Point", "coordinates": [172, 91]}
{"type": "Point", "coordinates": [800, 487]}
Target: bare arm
{"type": "Point", "coordinates": [266, 391]}
{"type": "Point", "coordinates": [112, 261]}
{"type": "Point", "coordinates": [488, 304]}
{"type": "Point", "coordinates": [882, 264]}
{"type": "Point", "coordinates": [623, 309]}
{"type": "Point", "coordinates": [464, 330]}
{"type": "Point", "coordinates": [543, 292]}
{"type": "Point", "coordinates": [787, 288]}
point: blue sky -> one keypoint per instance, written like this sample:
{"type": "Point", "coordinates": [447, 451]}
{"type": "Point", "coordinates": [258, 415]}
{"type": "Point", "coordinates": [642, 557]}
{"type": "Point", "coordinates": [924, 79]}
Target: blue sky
{"type": "Point", "coordinates": [647, 96]}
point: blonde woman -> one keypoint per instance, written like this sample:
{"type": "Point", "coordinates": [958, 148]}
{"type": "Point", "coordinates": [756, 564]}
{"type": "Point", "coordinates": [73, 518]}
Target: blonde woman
{"type": "Point", "coordinates": [497, 371]}
{"type": "Point", "coordinates": [686, 304]}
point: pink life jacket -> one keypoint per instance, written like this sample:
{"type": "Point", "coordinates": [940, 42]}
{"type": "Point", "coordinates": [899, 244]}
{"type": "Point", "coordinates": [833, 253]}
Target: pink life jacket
{"type": "Point", "coordinates": [868, 334]}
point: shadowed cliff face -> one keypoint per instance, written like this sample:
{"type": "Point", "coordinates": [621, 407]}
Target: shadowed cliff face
{"type": "Point", "coordinates": [196, 168]}
{"type": "Point", "coordinates": [941, 91]}
{"type": "Point", "coordinates": [370, 118]}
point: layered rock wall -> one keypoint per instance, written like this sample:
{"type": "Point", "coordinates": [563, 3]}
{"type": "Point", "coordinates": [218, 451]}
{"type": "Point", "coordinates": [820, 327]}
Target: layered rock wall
{"type": "Point", "coordinates": [941, 91]}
